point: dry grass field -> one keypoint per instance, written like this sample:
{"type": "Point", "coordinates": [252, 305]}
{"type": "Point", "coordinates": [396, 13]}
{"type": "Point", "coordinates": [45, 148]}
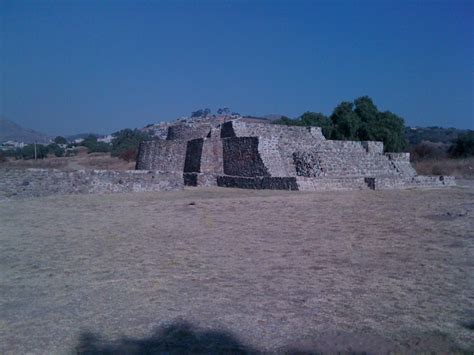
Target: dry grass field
{"type": "Point", "coordinates": [462, 167]}
{"type": "Point", "coordinates": [101, 161]}
{"type": "Point", "coordinates": [238, 270]}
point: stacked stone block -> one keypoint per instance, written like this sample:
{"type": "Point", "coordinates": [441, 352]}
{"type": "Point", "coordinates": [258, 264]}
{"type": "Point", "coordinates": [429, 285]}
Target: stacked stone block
{"type": "Point", "coordinates": [162, 155]}
{"type": "Point", "coordinates": [21, 183]}
{"type": "Point", "coordinates": [265, 156]}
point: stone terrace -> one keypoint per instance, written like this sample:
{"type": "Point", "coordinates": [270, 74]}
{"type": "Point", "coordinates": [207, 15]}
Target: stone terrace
{"type": "Point", "coordinates": [248, 154]}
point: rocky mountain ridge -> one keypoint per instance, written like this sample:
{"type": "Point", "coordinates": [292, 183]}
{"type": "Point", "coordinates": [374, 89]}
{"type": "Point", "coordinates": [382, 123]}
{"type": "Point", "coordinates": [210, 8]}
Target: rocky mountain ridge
{"type": "Point", "coordinates": [10, 131]}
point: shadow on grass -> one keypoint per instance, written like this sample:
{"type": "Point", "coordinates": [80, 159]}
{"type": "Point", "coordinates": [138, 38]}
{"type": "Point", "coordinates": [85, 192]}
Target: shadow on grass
{"type": "Point", "coordinates": [177, 338]}
{"type": "Point", "coordinates": [182, 337]}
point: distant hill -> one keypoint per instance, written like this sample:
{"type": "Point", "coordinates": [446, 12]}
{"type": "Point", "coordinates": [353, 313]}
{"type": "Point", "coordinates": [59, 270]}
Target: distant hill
{"type": "Point", "coordinates": [10, 131]}
{"type": "Point", "coordinates": [416, 135]}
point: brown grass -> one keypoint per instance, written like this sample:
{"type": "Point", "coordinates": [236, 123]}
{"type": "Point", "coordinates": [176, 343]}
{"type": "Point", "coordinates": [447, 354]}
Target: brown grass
{"type": "Point", "coordinates": [463, 168]}
{"type": "Point", "coordinates": [350, 271]}
{"type": "Point", "coordinates": [102, 161]}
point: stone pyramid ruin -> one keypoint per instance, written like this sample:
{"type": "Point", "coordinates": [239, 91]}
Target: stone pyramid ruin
{"type": "Point", "coordinates": [246, 153]}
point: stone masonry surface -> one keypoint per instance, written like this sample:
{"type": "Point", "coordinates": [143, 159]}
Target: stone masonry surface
{"type": "Point", "coordinates": [163, 155]}
{"type": "Point", "coordinates": [248, 154]}
{"type": "Point", "coordinates": [16, 183]}
{"type": "Point", "coordinates": [236, 153]}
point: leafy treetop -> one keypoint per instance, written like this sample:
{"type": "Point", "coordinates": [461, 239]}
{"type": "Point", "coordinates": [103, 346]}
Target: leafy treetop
{"type": "Point", "coordinates": [359, 120]}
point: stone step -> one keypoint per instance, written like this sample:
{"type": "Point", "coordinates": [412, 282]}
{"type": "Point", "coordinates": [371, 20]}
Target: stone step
{"type": "Point", "coordinates": [419, 181]}
{"type": "Point", "coordinates": [326, 184]}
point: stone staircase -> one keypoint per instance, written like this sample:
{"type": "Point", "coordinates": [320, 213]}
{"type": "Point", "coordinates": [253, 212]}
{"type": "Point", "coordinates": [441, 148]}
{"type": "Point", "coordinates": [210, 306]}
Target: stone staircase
{"type": "Point", "coordinates": [357, 165]}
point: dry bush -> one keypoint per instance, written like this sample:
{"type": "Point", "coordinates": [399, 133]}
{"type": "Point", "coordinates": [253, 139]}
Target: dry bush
{"type": "Point", "coordinates": [428, 150]}
{"type": "Point", "coordinates": [457, 167]}
{"type": "Point", "coordinates": [100, 161]}
{"type": "Point", "coordinates": [129, 155]}
{"type": "Point", "coordinates": [81, 151]}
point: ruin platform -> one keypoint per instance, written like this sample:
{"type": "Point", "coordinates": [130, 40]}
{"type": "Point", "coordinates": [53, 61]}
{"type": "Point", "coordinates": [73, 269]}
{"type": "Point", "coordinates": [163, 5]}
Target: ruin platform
{"type": "Point", "coordinates": [254, 155]}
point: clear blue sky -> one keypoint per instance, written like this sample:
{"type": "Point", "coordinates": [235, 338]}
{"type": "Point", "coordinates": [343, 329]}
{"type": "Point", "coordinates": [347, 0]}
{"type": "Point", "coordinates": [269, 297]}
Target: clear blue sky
{"type": "Point", "coordinates": [75, 66]}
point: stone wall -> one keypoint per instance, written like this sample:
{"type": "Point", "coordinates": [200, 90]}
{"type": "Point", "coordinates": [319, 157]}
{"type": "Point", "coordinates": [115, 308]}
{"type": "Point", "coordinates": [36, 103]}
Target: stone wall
{"type": "Point", "coordinates": [324, 184]}
{"type": "Point", "coordinates": [401, 163]}
{"type": "Point", "coordinates": [405, 157]}
{"type": "Point", "coordinates": [241, 157]}
{"type": "Point", "coordinates": [307, 164]}
{"type": "Point", "coordinates": [192, 161]}
{"type": "Point", "coordinates": [188, 132]}
{"type": "Point", "coordinates": [162, 155]}
{"type": "Point", "coordinates": [204, 155]}
{"type": "Point", "coordinates": [258, 182]}
{"type": "Point", "coordinates": [160, 132]}
{"type": "Point", "coordinates": [343, 159]}
{"type": "Point", "coordinates": [245, 129]}
{"type": "Point", "coordinates": [272, 157]}
{"type": "Point", "coordinates": [373, 147]}
{"type": "Point", "coordinates": [212, 159]}
{"type": "Point", "coordinates": [16, 183]}
{"type": "Point", "coordinates": [419, 181]}
{"type": "Point", "coordinates": [257, 155]}
{"type": "Point", "coordinates": [200, 179]}
{"type": "Point", "coordinates": [235, 154]}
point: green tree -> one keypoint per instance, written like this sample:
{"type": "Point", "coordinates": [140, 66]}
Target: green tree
{"type": "Point", "coordinates": [89, 142]}
{"type": "Point", "coordinates": [359, 120]}
{"type": "Point", "coordinates": [201, 113]}
{"type": "Point", "coordinates": [367, 112]}
{"type": "Point", "coordinates": [309, 119]}
{"type": "Point", "coordinates": [346, 122]}
{"type": "Point", "coordinates": [317, 119]}
{"type": "Point", "coordinates": [60, 140]}
{"type": "Point", "coordinates": [223, 111]}
{"type": "Point", "coordinates": [283, 120]}
{"type": "Point", "coordinates": [14, 153]}
{"type": "Point", "coordinates": [94, 146]}
{"type": "Point", "coordinates": [126, 142]}
{"type": "Point", "coordinates": [389, 128]}
{"type": "Point", "coordinates": [463, 146]}
{"type": "Point", "coordinates": [365, 108]}
{"type": "Point", "coordinates": [28, 151]}
{"type": "Point", "coordinates": [55, 149]}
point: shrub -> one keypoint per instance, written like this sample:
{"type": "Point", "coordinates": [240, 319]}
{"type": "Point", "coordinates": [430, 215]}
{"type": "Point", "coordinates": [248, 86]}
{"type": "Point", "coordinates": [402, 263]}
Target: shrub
{"type": "Point", "coordinates": [201, 113]}
{"type": "Point", "coordinates": [428, 150]}
{"type": "Point", "coordinates": [60, 140]}
{"type": "Point", "coordinates": [126, 142]}
{"type": "Point", "coordinates": [463, 146]}
{"type": "Point", "coordinates": [56, 150]}
{"type": "Point", "coordinates": [91, 143]}
{"type": "Point", "coordinates": [129, 155]}
{"type": "Point", "coordinates": [438, 170]}
{"type": "Point", "coordinates": [28, 152]}
{"type": "Point", "coordinates": [462, 167]}
{"type": "Point", "coordinates": [359, 120]}
{"type": "Point", "coordinates": [223, 111]}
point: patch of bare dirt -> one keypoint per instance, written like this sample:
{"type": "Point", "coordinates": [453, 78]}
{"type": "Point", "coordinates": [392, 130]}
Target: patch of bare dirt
{"type": "Point", "coordinates": [244, 270]}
